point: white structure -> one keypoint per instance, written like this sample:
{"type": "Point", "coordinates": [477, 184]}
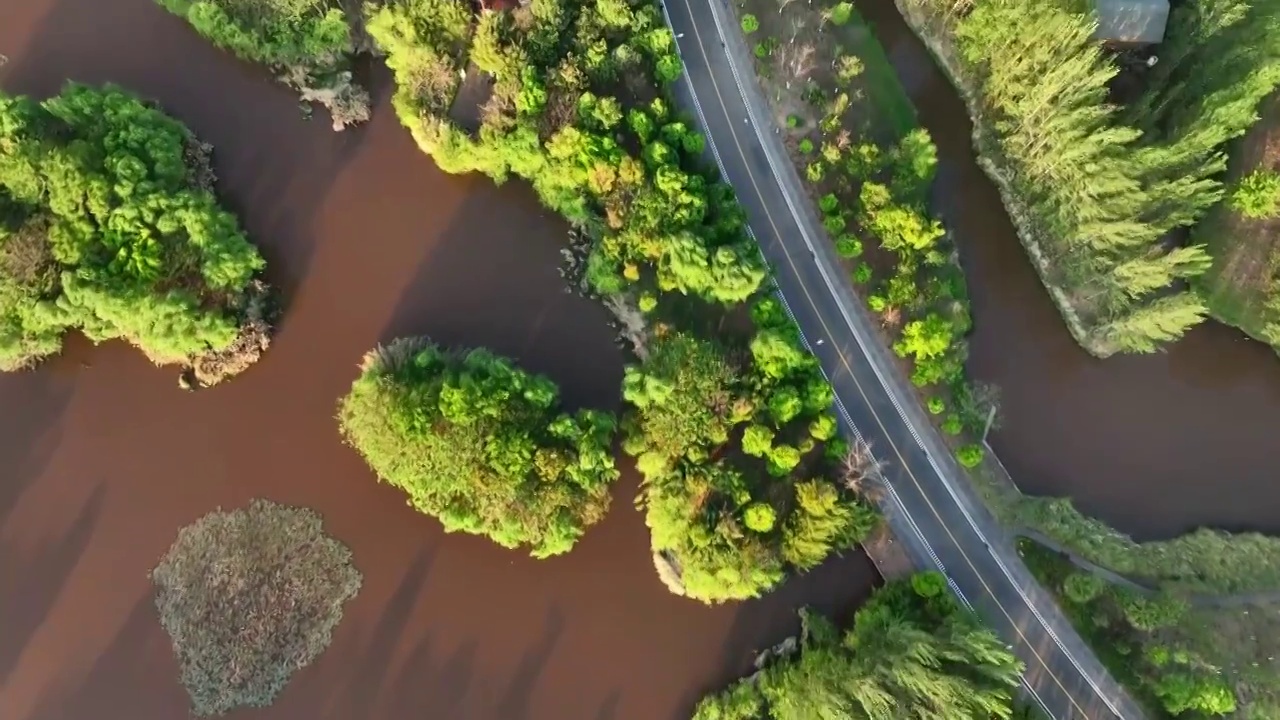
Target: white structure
{"type": "Point", "coordinates": [1131, 22]}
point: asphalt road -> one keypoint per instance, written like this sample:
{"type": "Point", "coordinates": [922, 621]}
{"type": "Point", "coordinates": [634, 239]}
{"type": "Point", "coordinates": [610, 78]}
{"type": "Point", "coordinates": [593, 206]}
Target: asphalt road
{"type": "Point", "coordinates": [929, 503]}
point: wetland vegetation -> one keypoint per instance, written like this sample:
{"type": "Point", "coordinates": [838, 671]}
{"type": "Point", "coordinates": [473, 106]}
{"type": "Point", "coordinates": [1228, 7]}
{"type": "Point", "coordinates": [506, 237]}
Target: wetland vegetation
{"type": "Point", "coordinates": [481, 445]}
{"type": "Point", "coordinates": [109, 225]}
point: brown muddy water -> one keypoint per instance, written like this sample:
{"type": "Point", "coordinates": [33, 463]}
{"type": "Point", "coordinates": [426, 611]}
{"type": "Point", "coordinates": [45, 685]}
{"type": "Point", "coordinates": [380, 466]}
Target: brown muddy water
{"type": "Point", "coordinates": [103, 458]}
{"type": "Point", "coordinates": [1154, 444]}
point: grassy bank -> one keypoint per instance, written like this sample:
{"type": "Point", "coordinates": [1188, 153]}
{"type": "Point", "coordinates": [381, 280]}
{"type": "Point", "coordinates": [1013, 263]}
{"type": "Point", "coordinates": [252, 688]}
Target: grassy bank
{"type": "Point", "coordinates": [1181, 660]}
{"type": "Point", "coordinates": [1242, 288]}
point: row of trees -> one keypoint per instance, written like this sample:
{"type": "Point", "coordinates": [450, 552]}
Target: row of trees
{"type": "Point", "coordinates": [307, 42]}
{"type": "Point", "coordinates": [481, 445]}
{"type": "Point", "coordinates": [879, 193]}
{"type": "Point", "coordinates": [1100, 187]}
{"type": "Point", "coordinates": [912, 652]}
{"type": "Point", "coordinates": [108, 225]}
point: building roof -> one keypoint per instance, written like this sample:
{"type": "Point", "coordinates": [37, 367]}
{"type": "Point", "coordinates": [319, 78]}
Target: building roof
{"type": "Point", "coordinates": [1138, 22]}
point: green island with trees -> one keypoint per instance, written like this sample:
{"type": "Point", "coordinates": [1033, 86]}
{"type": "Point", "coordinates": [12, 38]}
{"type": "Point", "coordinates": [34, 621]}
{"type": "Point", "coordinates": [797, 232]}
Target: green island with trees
{"type": "Point", "coordinates": [481, 444]}
{"type": "Point", "coordinates": [912, 651]}
{"type": "Point", "coordinates": [109, 225]}
{"type": "Point", "coordinates": [309, 43]}
{"type": "Point", "coordinates": [1104, 193]}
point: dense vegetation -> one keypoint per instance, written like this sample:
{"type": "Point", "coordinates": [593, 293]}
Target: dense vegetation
{"type": "Point", "coordinates": [307, 42]}
{"type": "Point", "coordinates": [731, 421]}
{"type": "Point", "coordinates": [869, 166]}
{"type": "Point", "coordinates": [1096, 188]}
{"type": "Point", "coordinates": [108, 225]}
{"type": "Point", "coordinates": [1207, 562]}
{"type": "Point", "coordinates": [1138, 637]}
{"type": "Point", "coordinates": [249, 597]}
{"type": "Point", "coordinates": [912, 652]}
{"type": "Point", "coordinates": [481, 445]}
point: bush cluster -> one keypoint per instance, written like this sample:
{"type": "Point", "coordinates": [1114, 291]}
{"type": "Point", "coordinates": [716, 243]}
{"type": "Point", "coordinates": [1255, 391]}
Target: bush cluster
{"type": "Point", "coordinates": [481, 445]}
{"type": "Point", "coordinates": [924, 301]}
{"type": "Point", "coordinates": [249, 596]}
{"type": "Point", "coordinates": [108, 225]}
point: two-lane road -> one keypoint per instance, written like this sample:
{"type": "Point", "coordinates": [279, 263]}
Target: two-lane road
{"type": "Point", "coordinates": [929, 506]}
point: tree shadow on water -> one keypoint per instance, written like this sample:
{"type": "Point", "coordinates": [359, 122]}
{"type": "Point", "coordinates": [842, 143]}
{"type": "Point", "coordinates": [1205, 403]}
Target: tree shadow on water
{"type": "Point", "coordinates": [135, 677]}
{"type": "Point", "coordinates": [345, 683]}
{"type": "Point", "coordinates": [29, 586]}
{"type": "Point", "coordinates": [514, 704]}
{"type": "Point", "coordinates": [30, 427]}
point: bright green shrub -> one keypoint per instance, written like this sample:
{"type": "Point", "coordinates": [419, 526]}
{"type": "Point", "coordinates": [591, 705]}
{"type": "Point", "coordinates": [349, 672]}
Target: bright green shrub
{"type": "Point", "coordinates": [249, 597]}
{"type": "Point", "coordinates": [1257, 195]}
{"type": "Point", "coordinates": [759, 517]}
{"type": "Point", "coordinates": [862, 273]}
{"type": "Point", "coordinates": [750, 23]}
{"type": "Point", "coordinates": [928, 584]}
{"type": "Point", "coordinates": [108, 225]}
{"type": "Point", "coordinates": [849, 247]}
{"type": "Point", "coordinates": [937, 406]}
{"type": "Point", "coordinates": [970, 455]}
{"type": "Point", "coordinates": [481, 445]}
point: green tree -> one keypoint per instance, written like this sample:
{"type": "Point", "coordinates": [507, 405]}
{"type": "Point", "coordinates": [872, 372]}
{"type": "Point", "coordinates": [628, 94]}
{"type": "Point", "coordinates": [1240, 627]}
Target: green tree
{"type": "Point", "coordinates": [759, 517]}
{"type": "Point", "coordinates": [905, 656]}
{"type": "Point", "coordinates": [750, 23]}
{"type": "Point", "coordinates": [757, 440]}
{"type": "Point", "coordinates": [1083, 588]}
{"type": "Point", "coordinates": [105, 227]}
{"type": "Point", "coordinates": [480, 444]}
{"type": "Point", "coordinates": [926, 338]}
{"type": "Point", "coordinates": [841, 12]}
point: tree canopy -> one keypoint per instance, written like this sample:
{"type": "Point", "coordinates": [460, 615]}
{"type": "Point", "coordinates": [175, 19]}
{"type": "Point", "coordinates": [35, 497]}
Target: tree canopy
{"type": "Point", "coordinates": [108, 225]}
{"type": "Point", "coordinates": [911, 653]}
{"type": "Point", "coordinates": [481, 445]}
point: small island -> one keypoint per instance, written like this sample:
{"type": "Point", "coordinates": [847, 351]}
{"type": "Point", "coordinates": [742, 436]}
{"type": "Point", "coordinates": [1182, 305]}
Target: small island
{"type": "Point", "coordinates": [481, 445]}
{"type": "Point", "coordinates": [109, 225]}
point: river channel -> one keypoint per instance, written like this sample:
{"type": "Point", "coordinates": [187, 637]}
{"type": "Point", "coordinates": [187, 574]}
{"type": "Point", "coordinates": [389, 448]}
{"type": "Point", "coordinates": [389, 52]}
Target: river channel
{"type": "Point", "coordinates": [103, 458]}
{"type": "Point", "coordinates": [1155, 444]}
